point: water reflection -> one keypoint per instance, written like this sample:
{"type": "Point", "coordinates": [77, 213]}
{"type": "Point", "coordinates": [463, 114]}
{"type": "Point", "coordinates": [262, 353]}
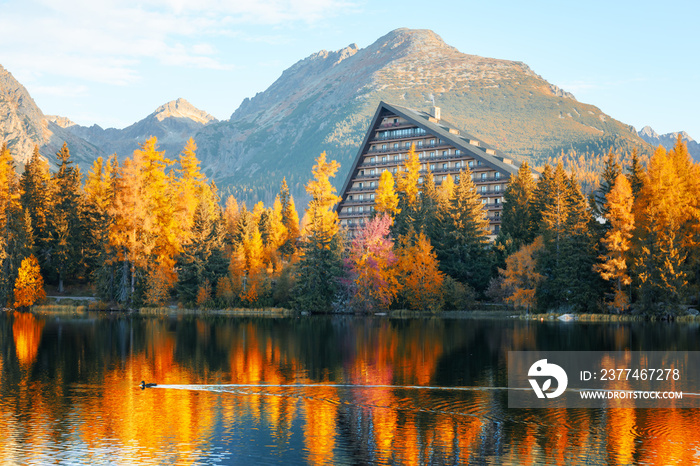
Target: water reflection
{"type": "Point", "coordinates": [68, 393]}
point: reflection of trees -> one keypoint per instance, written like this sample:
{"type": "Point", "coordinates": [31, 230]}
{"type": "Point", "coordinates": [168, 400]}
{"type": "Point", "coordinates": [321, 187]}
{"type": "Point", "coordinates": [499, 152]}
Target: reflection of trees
{"type": "Point", "coordinates": [42, 361]}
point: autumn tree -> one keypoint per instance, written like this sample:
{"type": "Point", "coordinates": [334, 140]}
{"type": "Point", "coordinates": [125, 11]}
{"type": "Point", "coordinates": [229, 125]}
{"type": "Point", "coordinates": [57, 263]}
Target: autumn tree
{"type": "Point", "coordinates": [613, 265]}
{"type": "Point", "coordinates": [408, 190]}
{"type": "Point", "coordinates": [520, 277]}
{"type": "Point", "coordinates": [371, 277]}
{"type": "Point", "coordinates": [417, 272]}
{"type": "Point", "coordinates": [16, 232]}
{"type": "Point", "coordinates": [29, 286]}
{"type": "Point", "coordinates": [320, 265]}
{"type": "Point", "coordinates": [666, 233]}
{"type": "Point", "coordinates": [386, 200]}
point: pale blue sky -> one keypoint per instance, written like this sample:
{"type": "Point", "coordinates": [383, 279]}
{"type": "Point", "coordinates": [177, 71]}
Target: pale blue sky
{"type": "Point", "coordinates": [114, 62]}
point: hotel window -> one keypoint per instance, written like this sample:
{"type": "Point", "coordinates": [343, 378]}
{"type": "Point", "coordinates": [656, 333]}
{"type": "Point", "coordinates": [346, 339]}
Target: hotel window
{"type": "Point", "coordinates": [458, 164]}
{"type": "Point", "coordinates": [444, 178]}
{"type": "Point", "coordinates": [432, 142]}
{"type": "Point", "coordinates": [371, 172]}
{"type": "Point", "coordinates": [478, 162]}
{"type": "Point", "coordinates": [471, 164]}
{"type": "Point", "coordinates": [498, 175]}
{"type": "Point", "coordinates": [393, 170]}
{"type": "Point", "coordinates": [359, 209]}
{"type": "Point", "coordinates": [444, 153]}
{"type": "Point", "coordinates": [349, 210]}
{"type": "Point", "coordinates": [350, 198]}
{"type": "Point", "coordinates": [384, 159]}
{"type": "Point", "coordinates": [396, 158]}
{"type": "Point", "coordinates": [483, 177]}
{"type": "Point", "coordinates": [444, 166]}
{"type": "Point", "coordinates": [396, 120]}
{"type": "Point", "coordinates": [371, 184]}
{"type": "Point", "coordinates": [371, 196]}
{"type": "Point", "coordinates": [483, 189]}
{"type": "Point", "coordinates": [483, 201]}
{"type": "Point", "coordinates": [497, 188]}
{"type": "Point", "coordinates": [396, 145]}
{"type": "Point", "coordinates": [432, 154]}
{"type": "Point", "coordinates": [496, 201]}
{"type": "Point", "coordinates": [372, 160]}
{"type": "Point", "coordinates": [407, 145]}
{"type": "Point", "coordinates": [458, 152]}
{"type": "Point", "coordinates": [432, 167]}
{"type": "Point", "coordinates": [420, 143]}
{"type": "Point", "coordinates": [361, 185]}
{"type": "Point", "coordinates": [383, 146]}
{"type": "Point", "coordinates": [361, 197]}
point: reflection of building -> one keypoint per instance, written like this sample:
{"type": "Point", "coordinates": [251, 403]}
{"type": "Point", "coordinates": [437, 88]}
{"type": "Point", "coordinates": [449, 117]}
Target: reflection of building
{"type": "Point", "coordinates": [442, 149]}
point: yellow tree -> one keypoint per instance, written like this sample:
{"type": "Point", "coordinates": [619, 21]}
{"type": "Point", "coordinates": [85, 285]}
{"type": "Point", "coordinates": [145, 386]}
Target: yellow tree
{"type": "Point", "coordinates": [29, 286]}
{"type": "Point", "coordinates": [323, 220]}
{"type": "Point", "coordinates": [408, 190]}
{"type": "Point", "coordinates": [407, 179]}
{"type": "Point", "coordinates": [191, 188]}
{"type": "Point", "coordinates": [666, 213]}
{"type": "Point", "coordinates": [520, 277]}
{"type": "Point", "coordinates": [617, 239]}
{"type": "Point", "coordinates": [386, 200]}
{"type": "Point", "coordinates": [417, 268]}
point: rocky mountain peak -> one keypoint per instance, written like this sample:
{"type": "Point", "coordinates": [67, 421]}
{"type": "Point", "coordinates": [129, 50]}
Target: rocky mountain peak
{"type": "Point", "coordinates": [421, 39]}
{"type": "Point", "coordinates": [61, 121]}
{"type": "Point", "coordinates": [647, 131]}
{"type": "Point", "coordinates": [181, 108]}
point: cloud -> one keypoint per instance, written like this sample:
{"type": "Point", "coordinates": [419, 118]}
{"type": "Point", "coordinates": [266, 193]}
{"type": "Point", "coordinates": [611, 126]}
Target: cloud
{"type": "Point", "coordinates": [107, 41]}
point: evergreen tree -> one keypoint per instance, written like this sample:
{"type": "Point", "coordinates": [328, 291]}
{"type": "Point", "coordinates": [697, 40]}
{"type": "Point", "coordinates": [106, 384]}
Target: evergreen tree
{"type": "Point", "coordinates": [65, 220]}
{"type": "Point", "coordinates": [429, 209]}
{"type": "Point", "coordinates": [36, 188]}
{"type": "Point", "coordinates": [320, 266]}
{"type": "Point", "coordinates": [463, 251]}
{"type": "Point", "coordinates": [202, 260]}
{"type": "Point", "coordinates": [516, 215]}
{"type": "Point", "coordinates": [636, 174]}
{"type": "Point", "coordinates": [290, 220]}
{"type": "Point", "coordinates": [567, 257]}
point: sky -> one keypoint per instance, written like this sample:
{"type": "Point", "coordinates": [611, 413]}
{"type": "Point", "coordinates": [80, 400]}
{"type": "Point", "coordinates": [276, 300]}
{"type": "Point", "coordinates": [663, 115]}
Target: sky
{"type": "Point", "coordinates": [114, 62]}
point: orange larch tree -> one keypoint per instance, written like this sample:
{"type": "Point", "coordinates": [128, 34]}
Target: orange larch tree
{"type": "Point", "coordinates": [520, 277]}
{"type": "Point", "coordinates": [617, 240]}
{"type": "Point", "coordinates": [417, 269]}
{"type": "Point", "coordinates": [29, 286]}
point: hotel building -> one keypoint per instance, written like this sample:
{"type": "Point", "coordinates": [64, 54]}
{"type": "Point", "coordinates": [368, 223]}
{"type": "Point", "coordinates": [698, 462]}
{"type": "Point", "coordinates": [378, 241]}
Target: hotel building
{"type": "Point", "coordinates": [441, 148]}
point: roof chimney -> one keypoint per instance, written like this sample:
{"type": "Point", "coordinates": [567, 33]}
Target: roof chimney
{"type": "Point", "coordinates": [436, 113]}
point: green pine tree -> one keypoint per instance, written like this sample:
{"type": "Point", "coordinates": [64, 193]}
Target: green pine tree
{"type": "Point", "coordinates": [516, 215]}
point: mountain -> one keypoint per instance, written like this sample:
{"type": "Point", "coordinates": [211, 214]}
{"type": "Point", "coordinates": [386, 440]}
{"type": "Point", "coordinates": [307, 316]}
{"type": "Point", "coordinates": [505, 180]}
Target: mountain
{"type": "Point", "coordinates": [668, 140]}
{"type": "Point", "coordinates": [173, 124]}
{"type": "Point", "coordinates": [23, 126]}
{"type": "Point", "coordinates": [325, 102]}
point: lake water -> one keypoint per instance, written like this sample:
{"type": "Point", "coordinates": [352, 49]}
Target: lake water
{"type": "Point", "coordinates": [69, 392]}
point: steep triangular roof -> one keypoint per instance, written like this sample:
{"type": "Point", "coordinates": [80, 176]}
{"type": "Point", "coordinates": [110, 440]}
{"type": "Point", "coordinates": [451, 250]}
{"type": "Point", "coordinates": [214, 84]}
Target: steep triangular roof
{"type": "Point", "coordinates": [440, 128]}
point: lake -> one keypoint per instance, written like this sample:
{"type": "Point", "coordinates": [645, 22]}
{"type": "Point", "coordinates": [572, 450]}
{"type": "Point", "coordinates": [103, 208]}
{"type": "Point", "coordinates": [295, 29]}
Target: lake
{"type": "Point", "coordinates": [313, 390]}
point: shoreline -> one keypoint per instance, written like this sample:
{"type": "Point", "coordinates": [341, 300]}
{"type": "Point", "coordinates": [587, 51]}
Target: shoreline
{"type": "Point", "coordinates": [499, 314]}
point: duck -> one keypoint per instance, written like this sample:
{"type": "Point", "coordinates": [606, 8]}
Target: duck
{"type": "Point", "coordinates": [147, 385]}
